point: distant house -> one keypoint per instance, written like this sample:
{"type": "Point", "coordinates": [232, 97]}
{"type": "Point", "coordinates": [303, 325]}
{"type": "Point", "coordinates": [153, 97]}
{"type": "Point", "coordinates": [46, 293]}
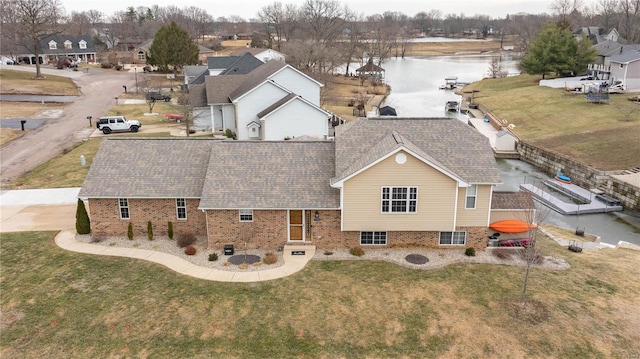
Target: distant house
{"type": "Point", "coordinates": [263, 55]}
{"type": "Point", "coordinates": [599, 35]}
{"type": "Point", "coordinates": [381, 183]}
{"type": "Point", "coordinates": [273, 102]}
{"type": "Point", "coordinates": [139, 54]}
{"type": "Point", "coordinates": [626, 68]}
{"type": "Point", "coordinates": [56, 47]}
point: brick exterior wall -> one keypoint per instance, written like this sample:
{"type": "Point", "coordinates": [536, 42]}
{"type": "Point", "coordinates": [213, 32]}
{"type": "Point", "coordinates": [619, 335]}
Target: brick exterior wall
{"type": "Point", "coordinates": [269, 231]}
{"type": "Point", "coordinates": [105, 217]}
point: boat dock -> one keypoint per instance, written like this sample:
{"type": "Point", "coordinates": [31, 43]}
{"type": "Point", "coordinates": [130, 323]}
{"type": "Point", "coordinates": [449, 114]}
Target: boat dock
{"type": "Point", "coordinates": [589, 202]}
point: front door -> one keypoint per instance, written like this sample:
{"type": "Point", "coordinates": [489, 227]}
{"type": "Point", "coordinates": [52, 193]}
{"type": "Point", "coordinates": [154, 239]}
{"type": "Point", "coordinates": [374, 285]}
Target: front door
{"type": "Point", "coordinates": [296, 225]}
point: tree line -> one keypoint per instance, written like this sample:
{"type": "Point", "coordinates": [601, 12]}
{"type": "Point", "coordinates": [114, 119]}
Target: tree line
{"type": "Point", "coordinates": [317, 35]}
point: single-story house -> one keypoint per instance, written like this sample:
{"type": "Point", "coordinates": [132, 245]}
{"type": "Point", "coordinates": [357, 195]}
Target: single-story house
{"type": "Point", "coordinates": [57, 47]}
{"type": "Point", "coordinates": [381, 183]}
{"type": "Point", "coordinates": [140, 53]}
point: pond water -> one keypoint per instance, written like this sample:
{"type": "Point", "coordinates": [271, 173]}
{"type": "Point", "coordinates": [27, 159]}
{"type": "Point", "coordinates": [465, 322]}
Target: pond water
{"type": "Point", "coordinates": [415, 92]}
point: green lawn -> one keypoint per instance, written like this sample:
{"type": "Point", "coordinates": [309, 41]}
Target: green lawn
{"type": "Point", "coordinates": [58, 304]}
{"type": "Point", "coordinates": [604, 136]}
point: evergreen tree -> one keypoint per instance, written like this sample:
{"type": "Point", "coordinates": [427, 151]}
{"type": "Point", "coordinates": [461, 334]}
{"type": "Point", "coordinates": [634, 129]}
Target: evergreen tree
{"type": "Point", "coordinates": [173, 46]}
{"type": "Point", "coordinates": [150, 230]}
{"type": "Point", "coordinates": [555, 50]}
{"type": "Point", "coordinates": [83, 224]}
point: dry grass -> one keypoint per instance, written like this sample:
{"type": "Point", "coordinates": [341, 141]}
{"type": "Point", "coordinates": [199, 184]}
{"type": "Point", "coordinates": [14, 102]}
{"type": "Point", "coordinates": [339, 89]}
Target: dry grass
{"type": "Point", "coordinates": [603, 136]}
{"type": "Point", "coordinates": [450, 48]}
{"type": "Point", "coordinates": [63, 304]}
{"type": "Point", "coordinates": [20, 82]}
{"type": "Point", "coordinates": [27, 109]}
{"type": "Point", "coordinates": [340, 91]}
{"type": "Point", "coordinates": [9, 134]}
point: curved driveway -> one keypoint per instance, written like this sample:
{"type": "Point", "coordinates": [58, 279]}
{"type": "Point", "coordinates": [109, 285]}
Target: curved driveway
{"type": "Point", "coordinates": [97, 89]}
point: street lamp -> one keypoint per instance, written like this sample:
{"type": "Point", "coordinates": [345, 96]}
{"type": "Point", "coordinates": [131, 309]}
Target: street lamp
{"type": "Point", "coordinates": [135, 70]}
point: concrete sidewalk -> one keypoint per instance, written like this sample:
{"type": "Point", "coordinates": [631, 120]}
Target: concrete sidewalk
{"type": "Point", "coordinates": [38, 209]}
{"type": "Point", "coordinates": [292, 264]}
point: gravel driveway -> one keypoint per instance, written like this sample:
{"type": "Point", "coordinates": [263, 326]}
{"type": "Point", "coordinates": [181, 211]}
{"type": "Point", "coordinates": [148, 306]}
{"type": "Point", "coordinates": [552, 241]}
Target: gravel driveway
{"type": "Point", "coordinates": [98, 90]}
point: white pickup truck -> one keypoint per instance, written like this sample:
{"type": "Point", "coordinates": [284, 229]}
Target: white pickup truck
{"type": "Point", "coordinates": [117, 124]}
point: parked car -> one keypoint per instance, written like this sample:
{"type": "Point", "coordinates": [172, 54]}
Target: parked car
{"type": "Point", "coordinates": [110, 124]}
{"type": "Point", "coordinates": [157, 96]}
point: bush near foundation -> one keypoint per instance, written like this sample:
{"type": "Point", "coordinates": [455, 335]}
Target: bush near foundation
{"type": "Point", "coordinates": [270, 258]}
{"type": "Point", "coordinates": [356, 251]}
{"type": "Point", "coordinates": [186, 239]}
{"type": "Point", "coordinates": [190, 250]}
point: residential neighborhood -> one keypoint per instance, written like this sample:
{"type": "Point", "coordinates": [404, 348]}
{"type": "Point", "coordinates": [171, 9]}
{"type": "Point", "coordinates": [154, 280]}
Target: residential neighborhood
{"type": "Point", "coordinates": [176, 181]}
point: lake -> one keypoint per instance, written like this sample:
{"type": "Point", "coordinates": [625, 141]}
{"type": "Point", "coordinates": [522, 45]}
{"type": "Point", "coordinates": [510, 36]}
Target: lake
{"type": "Point", "coordinates": [415, 92]}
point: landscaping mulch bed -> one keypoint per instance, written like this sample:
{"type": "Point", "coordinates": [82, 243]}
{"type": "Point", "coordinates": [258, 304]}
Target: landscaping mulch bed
{"type": "Point", "coordinates": [416, 259]}
{"type": "Point", "coordinates": [244, 258]}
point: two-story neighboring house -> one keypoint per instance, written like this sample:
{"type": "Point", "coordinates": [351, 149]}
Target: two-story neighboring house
{"type": "Point", "coordinates": [264, 55]}
{"type": "Point", "coordinates": [273, 102]}
{"type": "Point", "coordinates": [56, 47]}
{"type": "Point", "coordinates": [381, 183]}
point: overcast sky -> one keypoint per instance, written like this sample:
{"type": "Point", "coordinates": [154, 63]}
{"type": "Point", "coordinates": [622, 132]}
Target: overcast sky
{"type": "Point", "coordinates": [248, 9]}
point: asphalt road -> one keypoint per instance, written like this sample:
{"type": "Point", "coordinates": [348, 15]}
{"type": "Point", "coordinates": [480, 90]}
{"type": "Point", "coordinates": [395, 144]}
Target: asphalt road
{"type": "Point", "coordinates": [98, 90]}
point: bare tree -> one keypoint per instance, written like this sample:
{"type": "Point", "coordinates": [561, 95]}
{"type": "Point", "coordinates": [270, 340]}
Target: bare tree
{"type": "Point", "coordinates": [630, 18]}
{"type": "Point", "coordinates": [324, 19]}
{"type": "Point", "coordinates": [37, 19]}
{"type": "Point", "coordinates": [280, 21]}
{"type": "Point", "coordinates": [534, 217]}
{"type": "Point", "coordinates": [567, 11]}
{"type": "Point", "coordinates": [606, 9]}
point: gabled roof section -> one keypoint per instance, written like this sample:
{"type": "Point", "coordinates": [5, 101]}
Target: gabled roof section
{"type": "Point", "coordinates": [243, 65]}
{"type": "Point", "coordinates": [148, 168]}
{"type": "Point", "coordinates": [194, 73]}
{"type": "Point", "coordinates": [270, 175]}
{"type": "Point", "coordinates": [220, 62]}
{"type": "Point", "coordinates": [61, 39]}
{"type": "Point", "coordinates": [626, 57]}
{"type": "Point", "coordinates": [219, 88]}
{"type": "Point", "coordinates": [447, 144]}
{"type": "Point", "coordinates": [256, 77]}
{"type": "Point", "coordinates": [286, 100]}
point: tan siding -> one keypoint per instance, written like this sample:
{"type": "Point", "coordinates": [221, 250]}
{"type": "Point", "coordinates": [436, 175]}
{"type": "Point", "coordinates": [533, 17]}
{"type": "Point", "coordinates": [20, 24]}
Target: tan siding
{"type": "Point", "coordinates": [479, 215]}
{"type": "Point", "coordinates": [507, 214]}
{"type": "Point", "coordinates": [362, 198]}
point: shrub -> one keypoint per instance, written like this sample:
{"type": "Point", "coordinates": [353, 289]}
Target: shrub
{"type": "Point", "coordinates": [356, 251]}
{"type": "Point", "coordinates": [150, 230]}
{"type": "Point", "coordinates": [83, 224]}
{"type": "Point", "coordinates": [270, 258]}
{"type": "Point", "coordinates": [190, 250]}
{"type": "Point", "coordinates": [328, 253]}
{"type": "Point", "coordinates": [502, 253]}
{"type": "Point", "coordinates": [170, 229]}
{"type": "Point", "coordinates": [213, 257]}
{"type": "Point", "coordinates": [130, 231]}
{"type": "Point", "coordinates": [229, 134]}
{"type": "Point", "coordinates": [118, 67]}
{"type": "Point", "coordinates": [106, 65]}
{"type": "Point", "coordinates": [470, 252]}
{"type": "Point", "coordinates": [186, 239]}
{"type": "Point", "coordinates": [97, 239]}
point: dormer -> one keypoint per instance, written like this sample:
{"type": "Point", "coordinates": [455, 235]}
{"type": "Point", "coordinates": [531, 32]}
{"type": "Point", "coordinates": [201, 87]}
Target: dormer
{"type": "Point", "coordinates": [53, 45]}
{"type": "Point", "coordinates": [82, 44]}
{"type": "Point", "coordinates": [67, 45]}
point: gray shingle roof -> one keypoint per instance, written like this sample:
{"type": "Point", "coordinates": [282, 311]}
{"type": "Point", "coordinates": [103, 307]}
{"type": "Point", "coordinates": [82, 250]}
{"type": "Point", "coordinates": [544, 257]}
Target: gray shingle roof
{"type": "Point", "coordinates": [270, 175]}
{"type": "Point", "coordinates": [197, 95]}
{"type": "Point", "coordinates": [626, 57]}
{"type": "Point", "coordinates": [148, 168]}
{"type": "Point", "coordinates": [243, 65]}
{"type": "Point", "coordinates": [256, 77]}
{"type": "Point", "coordinates": [512, 200]}
{"type": "Point", "coordinates": [220, 87]}
{"type": "Point", "coordinates": [193, 72]}
{"type": "Point", "coordinates": [449, 143]}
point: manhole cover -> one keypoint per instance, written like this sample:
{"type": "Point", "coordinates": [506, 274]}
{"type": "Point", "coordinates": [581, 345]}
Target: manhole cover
{"type": "Point", "coordinates": [244, 258]}
{"type": "Point", "coordinates": [416, 259]}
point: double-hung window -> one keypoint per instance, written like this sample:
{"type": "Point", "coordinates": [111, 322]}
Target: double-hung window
{"type": "Point", "coordinates": [123, 204]}
{"type": "Point", "coordinates": [246, 215]}
{"type": "Point", "coordinates": [181, 208]}
{"type": "Point", "coordinates": [379, 238]}
{"type": "Point", "coordinates": [399, 199]}
{"type": "Point", "coordinates": [455, 238]}
{"type": "Point", "coordinates": [472, 193]}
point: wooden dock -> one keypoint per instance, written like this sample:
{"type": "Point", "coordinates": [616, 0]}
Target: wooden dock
{"type": "Point", "coordinates": [589, 202]}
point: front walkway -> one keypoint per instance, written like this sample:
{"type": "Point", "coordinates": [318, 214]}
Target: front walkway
{"type": "Point", "coordinates": [292, 264]}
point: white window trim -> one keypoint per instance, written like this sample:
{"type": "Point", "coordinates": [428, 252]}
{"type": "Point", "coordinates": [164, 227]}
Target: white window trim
{"type": "Point", "coordinates": [82, 44]}
{"type": "Point", "coordinates": [473, 195]}
{"type": "Point", "coordinates": [408, 200]}
{"type": "Point", "coordinates": [53, 45]}
{"type": "Point", "coordinates": [178, 209]}
{"type": "Point", "coordinates": [245, 212]}
{"type": "Point", "coordinates": [121, 207]}
{"type": "Point", "coordinates": [68, 45]}
{"type": "Point", "coordinates": [452, 234]}
{"type": "Point", "coordinates": [373, 239]}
